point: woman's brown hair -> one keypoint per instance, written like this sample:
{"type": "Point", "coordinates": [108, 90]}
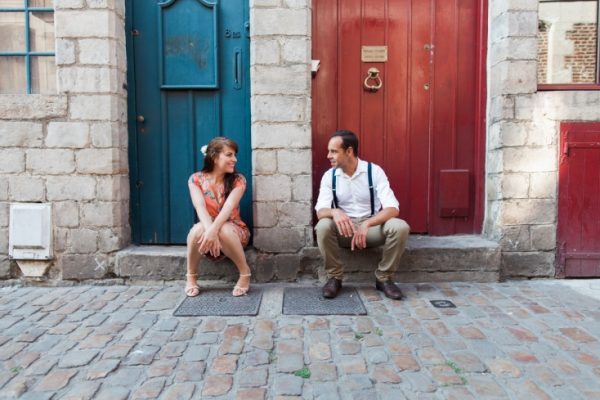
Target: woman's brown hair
{"type": "Point", "coordinates": [214, 148]}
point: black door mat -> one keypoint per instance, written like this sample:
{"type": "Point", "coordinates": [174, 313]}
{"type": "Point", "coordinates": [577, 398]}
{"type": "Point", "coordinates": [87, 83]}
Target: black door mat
{"type": "Point", "coordinates": [310, 301]}
{"type": "Point", "coordinates": [220, 302]}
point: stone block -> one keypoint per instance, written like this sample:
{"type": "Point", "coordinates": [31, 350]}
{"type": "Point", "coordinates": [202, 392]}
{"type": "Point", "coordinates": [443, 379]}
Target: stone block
{"type": "Point", "coordinates": [508, 133]}
{"type": "Point", "coordinates": [524, 106]}
{"type": "Point", "coordinates": [276, 136]}
{"type": "Point", "coordinates": [544, 132]}
{"type": "Point", "coordinates": [279, 240]}
{"type": "Point", "coordinates": [263, 266]}
{"type": "Point", "coordinates": [518, 212]}
{"type": "Point", "coordinates": [264, 162]}
{"type": "Point", "coordinates": [296, 50]}
{"type": "Point", "coordinates": [569, 105]}
{"type": "Point", "coordinates": [4, 267]}
{"type": "Point", "coordinates": [4, 214]}
{"type": "Point", "coordinates": [66, 4]}
{"type": "Point", "coordinates": [265, 3]}
{"type": "Point", "coordinates": [101, 161]}
{"type": "Point", "coordinates": [543, 237]}
{"type": "Point", "coordinates": [264, 51]}
{"type": "Point", "coordinates": [287, 267]}
{"type": "Point", "coordinates": [501, 107]}
{"type": "Point", "coordinates": [515, 186]}
{"type": "Point", "coordinates": [516, 238]}
{"type": "Point", "coordinates": [85, 24]}
{"type": "Point", "coordinates": [108, 134]}
{"type": "Point", "coordinates": [296, 3]}
{"type": "Point", "coordinates": [110, 240]}
{"type": "Point", "coordinates": [3, 240]}
{"type": "Point", "coordinates": [302, 188]}
{"type": "Point", "coordinates": [498, 7]}
{"type": "Point", "coordinates": [513, 77]}
{"type": "Point", "coordinates": [493, 186]}
{"type": "Point", "coordinates": [3, 188]}
{"type": "Point", "coordinates": [514, 24]}
{"type": "Point", "coordinates": [151, 263]}
{"type": "Point", "coordinates": [102, 214]}
{"type": "Point", "coordinates": [528, 265]}
{"type": "Point", "coordinates": [530, 159]}
{"type": "Point", "coordinates": [98, 52]}
{"type": "Point", "coordinates": [495, 161]}
{"type": "Point", "coordinates": [513, 49]}
{"type": "Point", "coordinates": [12, 161]}
{"type": "Point", "coordinates": [65, 214]}
{"type": "Point", "coordinates": [93, 107]}
{"type": "Point", "coordinates": [102, 3]}
{"type": "Point", "coordinates": [50, 161]}
{"type": "Point", "coordinates": [26, 188]}
{"type": "Point", "coordinates": [33, 106]}
{"type": "Point", "coordinates": [20, 134]}
{"type": "Point", "coordinates": [279, 108]}
{"type": "Point", "coordinates": [265, 214]}
{"type": "Point", "coordinates": [543, 185]}
{"type": "Point", "coordinates": [68, 134]}
{"type": "Point", "coordinates": [294, 162]}
{"type": "Point", "coordinates": [113, 188]}
{"type": "Point", "coordinates": [269, 21]}
{"type": "Point", "coordinates": [71, 188]}
{"type": "Point", "coordinates": [287, 79]}
{"type": "Point", "coordinates": [65, 52]}
{"type": "Point", "coordinates": [294, 214]}
{"type": "Point", "coordinates": [81, 241]}
{"type": "Point", "coordinates": [272, 188]}
{"type": "Point", "coordinates": [87, 80]}
{"type": "Point", "coordinates": [83, 266]}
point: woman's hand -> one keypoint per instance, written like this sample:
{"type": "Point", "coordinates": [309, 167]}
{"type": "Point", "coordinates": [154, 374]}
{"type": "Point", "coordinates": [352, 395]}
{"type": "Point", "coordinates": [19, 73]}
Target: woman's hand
{"type": "Point", "coordinates": [209, 242]}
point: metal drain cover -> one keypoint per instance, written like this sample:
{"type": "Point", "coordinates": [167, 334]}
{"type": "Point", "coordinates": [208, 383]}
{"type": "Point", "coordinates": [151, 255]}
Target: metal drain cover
{"type": "Point", "coordinates": [442, 304]}
{"type": "Point", "coordinates": [310, 301]}
{"type": "Point", "coordinates": [220, 302]}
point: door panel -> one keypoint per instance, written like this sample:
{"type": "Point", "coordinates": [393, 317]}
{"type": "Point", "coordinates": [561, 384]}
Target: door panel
{"type": "Point", "coordinates": [423, 119]}
{"type": "Point", "coordinates": [578, 232]}
{"type": "Point", "coordinates": [188, 79]}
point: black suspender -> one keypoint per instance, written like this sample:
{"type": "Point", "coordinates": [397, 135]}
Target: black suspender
{"type": "Point", "coordinates": [371, 189]}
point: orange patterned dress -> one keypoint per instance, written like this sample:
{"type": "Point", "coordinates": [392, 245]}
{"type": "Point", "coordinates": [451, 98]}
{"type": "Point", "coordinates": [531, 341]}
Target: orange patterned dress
{"type": "Point", "coordinates": [214, 197]}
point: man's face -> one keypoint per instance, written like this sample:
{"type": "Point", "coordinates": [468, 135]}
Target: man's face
{"type": "Point", "coordinates": [337, 156]}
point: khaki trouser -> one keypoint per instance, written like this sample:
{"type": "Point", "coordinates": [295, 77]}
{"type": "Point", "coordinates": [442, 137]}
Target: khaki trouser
{"type": "Point", "coordinates": [392, 235]}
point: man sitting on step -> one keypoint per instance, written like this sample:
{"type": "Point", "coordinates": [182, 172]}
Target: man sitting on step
{"type": "Point", "coordinates": [357, 209]}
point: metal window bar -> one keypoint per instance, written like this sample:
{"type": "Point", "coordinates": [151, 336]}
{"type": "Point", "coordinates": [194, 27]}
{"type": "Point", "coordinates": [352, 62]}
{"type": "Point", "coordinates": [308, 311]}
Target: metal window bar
{"type": "Point", "coordinates": [28, 54]}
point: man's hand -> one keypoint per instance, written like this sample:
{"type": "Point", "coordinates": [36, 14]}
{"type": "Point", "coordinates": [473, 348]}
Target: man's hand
{"type": "Point", "coordinates": [343, 222]}
{"type": "Point", "coordinates": [359, 240]}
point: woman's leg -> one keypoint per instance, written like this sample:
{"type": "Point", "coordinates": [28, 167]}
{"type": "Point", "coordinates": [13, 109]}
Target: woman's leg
{"type": "Point", "coordinates": [231, 246]}
{"type": "Point", "coordinates": [193, 257]}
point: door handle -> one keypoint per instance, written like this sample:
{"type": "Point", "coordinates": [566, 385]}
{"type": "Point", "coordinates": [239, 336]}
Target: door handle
{"type": "Point", "coordinates": [140, 118]}
{"type": "Point", "coordinates": [373, 74]}
{"type": "Point", "coordinates": [237, 68]}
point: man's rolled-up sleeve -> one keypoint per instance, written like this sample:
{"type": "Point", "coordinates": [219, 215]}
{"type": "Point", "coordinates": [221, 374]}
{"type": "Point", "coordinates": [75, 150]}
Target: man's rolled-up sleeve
{"type": "Point", "coordinates": [384, 191]}
{"type": "Point", "coordinates": [325, 192]}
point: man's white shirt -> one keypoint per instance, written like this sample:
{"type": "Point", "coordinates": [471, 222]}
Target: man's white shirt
{"type": "Point", "coordinates": [353, 191]}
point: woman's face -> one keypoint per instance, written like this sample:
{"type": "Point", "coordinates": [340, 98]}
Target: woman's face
{"type": "Point", "coordinates": [226, 160]}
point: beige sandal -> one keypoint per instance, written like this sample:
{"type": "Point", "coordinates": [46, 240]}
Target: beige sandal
{"type": "Point", "coordinates": [240, 291]}
{"type": "Point", "coordinates": [192, 290]}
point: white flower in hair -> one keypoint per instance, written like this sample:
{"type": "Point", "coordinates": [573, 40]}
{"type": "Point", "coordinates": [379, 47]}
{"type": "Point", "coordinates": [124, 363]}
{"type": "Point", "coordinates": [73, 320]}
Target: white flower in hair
{"type": "Point", "coordinates": [203, 149]}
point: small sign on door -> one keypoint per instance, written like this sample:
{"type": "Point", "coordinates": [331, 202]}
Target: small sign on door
{"type": "Point", "coordinates": [373, 54]}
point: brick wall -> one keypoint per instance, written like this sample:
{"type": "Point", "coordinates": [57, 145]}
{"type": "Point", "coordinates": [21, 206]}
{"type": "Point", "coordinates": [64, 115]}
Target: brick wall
{"type": "Point", "coordinates": [583, 60]}
{"type": "Point", "coordinates": [70, 149]}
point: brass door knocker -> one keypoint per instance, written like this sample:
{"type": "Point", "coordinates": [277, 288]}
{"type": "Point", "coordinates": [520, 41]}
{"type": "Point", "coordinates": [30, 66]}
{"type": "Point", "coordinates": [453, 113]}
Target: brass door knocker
{"type": "Point", "coordinates": [373, 74]}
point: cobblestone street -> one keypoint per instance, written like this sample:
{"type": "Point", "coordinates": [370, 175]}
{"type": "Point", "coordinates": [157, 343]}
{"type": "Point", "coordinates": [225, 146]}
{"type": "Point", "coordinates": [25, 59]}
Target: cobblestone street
{"type": "Point", "coordinates": [516, 340]}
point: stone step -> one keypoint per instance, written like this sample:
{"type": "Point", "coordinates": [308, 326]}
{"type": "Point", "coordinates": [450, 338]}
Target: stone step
{"type": "Point", "coordinates": [469, 258]}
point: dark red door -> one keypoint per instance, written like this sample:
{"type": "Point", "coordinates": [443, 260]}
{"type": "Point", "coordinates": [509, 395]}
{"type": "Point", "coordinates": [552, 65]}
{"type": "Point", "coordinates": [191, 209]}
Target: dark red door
{"type": "Point", "coordinates": [578, 234]}
{"type": "Point", "coordinates": [423, 124]}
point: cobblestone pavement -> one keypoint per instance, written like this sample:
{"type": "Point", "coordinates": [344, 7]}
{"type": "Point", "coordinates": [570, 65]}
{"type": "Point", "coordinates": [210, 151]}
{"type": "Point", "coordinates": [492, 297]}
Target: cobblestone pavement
{"type": "Point", "coordinates": [516, 340]}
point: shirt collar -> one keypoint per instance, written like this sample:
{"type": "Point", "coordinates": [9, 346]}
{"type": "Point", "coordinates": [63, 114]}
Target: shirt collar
{"type": "Point", "coordinates": [362, 166]}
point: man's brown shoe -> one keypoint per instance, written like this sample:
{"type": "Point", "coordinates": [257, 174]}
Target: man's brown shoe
{"type": "Point", "coordinates": [332, 288]}
{"type": "Point", "coordinates": [389, 288]}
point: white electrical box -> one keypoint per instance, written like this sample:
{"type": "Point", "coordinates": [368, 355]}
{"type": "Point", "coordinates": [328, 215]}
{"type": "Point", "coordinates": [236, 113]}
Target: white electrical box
{"type": "Point", "coordinates": [30, 231]}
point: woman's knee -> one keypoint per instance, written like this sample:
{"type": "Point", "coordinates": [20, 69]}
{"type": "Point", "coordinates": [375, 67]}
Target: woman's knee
{"type": "Point", "coordinates": [227, 232]}
{"type": "Point", "coordinates": [195, 233]}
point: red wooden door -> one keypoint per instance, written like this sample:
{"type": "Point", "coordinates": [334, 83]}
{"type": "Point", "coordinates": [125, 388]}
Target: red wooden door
{"type": "Point", "coordinates": [423, 125]}
{"type": "Point", "coordinates": [578, 233]}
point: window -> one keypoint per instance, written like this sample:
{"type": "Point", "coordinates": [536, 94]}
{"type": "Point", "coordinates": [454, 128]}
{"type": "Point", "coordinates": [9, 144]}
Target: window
{"type": "Point", "coordinates": [568, 46]}
{"type": "Point", "coordinates": [27, 62]}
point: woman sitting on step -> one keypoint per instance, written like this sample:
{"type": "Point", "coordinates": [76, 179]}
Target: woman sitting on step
{"type": "Point", "coordinates": [216, 192]}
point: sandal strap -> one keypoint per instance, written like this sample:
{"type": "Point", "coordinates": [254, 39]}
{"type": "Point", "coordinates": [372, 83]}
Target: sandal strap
{"type": "Point", "coordinates": [190, 275]}
{"type": "Point", "coordinates": [245, 275]}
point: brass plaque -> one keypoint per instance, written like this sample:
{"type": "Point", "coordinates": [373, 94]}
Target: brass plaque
{"type": "Point", "coordinates": [374, 54]}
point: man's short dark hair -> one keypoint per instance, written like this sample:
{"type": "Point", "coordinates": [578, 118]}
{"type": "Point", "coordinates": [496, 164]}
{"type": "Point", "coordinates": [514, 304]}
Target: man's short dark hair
{"type": "Point", "coordinates": [349, 139]}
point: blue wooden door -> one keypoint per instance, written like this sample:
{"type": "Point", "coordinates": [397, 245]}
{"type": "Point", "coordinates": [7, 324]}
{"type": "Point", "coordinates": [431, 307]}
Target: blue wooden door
{"type": "Point", "coordinates": [188, 81]}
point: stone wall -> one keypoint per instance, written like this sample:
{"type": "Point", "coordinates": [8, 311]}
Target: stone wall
{"type": "Point", "coordinates": [70, 149]}
{"type": "Point", "coordinates": [522, 142]}
{"type": "Point", "coordinates": [281, 133]}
